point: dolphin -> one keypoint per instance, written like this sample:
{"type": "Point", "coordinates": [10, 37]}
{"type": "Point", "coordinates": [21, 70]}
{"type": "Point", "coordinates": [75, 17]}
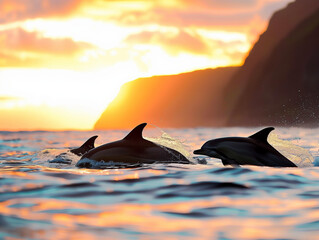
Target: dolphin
{"type": "Point", "coordinates": [131, 150]}
{"type": "Point", "coordinates": [87, 146]}
{"type": "Point", "coordinates": [64, 158]}
{"type": "Point", "coordinates": [253, 150]}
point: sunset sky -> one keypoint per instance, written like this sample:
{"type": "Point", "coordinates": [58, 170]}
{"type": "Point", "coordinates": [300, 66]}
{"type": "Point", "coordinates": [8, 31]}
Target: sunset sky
{"type": "Point", "coordinates": [63, 61]}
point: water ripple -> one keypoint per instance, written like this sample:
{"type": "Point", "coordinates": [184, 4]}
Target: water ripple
{"type": "Point", "coordinates": [43, 200]}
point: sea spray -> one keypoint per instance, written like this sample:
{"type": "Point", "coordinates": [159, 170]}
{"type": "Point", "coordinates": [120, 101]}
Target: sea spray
{"type": "Point", "coordinates": [57, 158]}
{"type": "Point", "coordinates": [167, 141]}
{"type": "Point", "coordinates": [300, 156]}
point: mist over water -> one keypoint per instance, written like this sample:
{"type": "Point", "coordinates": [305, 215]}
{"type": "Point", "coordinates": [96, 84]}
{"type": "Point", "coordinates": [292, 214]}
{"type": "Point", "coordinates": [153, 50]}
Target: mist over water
{"type": "Point", "coordinates": [43, 200]}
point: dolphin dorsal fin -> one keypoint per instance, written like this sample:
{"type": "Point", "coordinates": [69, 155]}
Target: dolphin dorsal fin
{"type": "Point", "coordinates": [88, 145]}
{"type": "Point", "coordinates": [136, 133]}
{"type": "Point", "coordinates": [262, 135]}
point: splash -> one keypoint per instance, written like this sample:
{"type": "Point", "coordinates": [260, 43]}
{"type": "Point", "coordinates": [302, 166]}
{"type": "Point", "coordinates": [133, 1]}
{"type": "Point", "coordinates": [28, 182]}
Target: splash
{"type": "Point", "coordinates": [167, 141]}
{"type": "Point", "coordinates": [58, 158]}
{"type": "Point", "coordinates": [92, 164]}
{"type": "Point", "coordinates": [298, 155]}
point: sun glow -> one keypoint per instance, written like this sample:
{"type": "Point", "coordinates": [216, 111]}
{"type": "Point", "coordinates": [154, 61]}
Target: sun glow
{"type": "Point", "coordinates": [86, 94]}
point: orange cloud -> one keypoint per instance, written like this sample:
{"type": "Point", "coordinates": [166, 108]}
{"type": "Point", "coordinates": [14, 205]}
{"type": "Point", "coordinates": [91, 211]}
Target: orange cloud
{"type": "Point", "coordinates": [22, 48]}
{"type": "Point", "coordinates": [202, 13]}
{"type": "Point", "coordinates": [136, 12]}
{"type": "Point", "coordinates": [20, 40]}
{"type": "Point", "coordinates": [223, 5]}
{"type": "Point", "coordinates": [173, 43]}
{"type": "Point", "coordinates": [16, 10]}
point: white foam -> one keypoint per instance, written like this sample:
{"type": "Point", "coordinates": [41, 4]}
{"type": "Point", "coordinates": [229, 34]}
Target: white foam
{"type": "Point", "coordinates": [104, 165]}
{"type": "Point", "coordinates": [58, 158]}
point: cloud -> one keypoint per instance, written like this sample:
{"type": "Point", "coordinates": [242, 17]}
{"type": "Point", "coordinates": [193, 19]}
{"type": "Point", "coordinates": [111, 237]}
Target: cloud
{"type": "Point", "coordinates": [182, 18]}
{"type": "Point", "coordinates": [220, 5]}
{"type": "Point", "coordinates": [15, 10]}
{"type": "Point", "coordinates": [201, 13]}
{"type": "Point", "coordinates": [172, 42]}
{"type": "Point", "coordinates": [208, 19]}
{"type": "Point", "coordinates": [21, 40]}
{"type": "Point", "coordinates": [22, 48]}
{"type": "Point", "coordinates": [180, 13]}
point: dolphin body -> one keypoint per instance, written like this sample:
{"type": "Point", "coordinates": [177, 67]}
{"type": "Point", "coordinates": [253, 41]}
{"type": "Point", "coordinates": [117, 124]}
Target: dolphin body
{"type": "Point", "coordinates": [131, 150]}
{"type": "Point", "coordinates": [254, 150]}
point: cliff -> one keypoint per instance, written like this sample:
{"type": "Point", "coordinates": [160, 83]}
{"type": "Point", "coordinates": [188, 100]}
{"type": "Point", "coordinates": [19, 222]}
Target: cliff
{"type": "Point", "coordinates": [280, 87]}
{"type": "Point", "coordinates": [184, 100]}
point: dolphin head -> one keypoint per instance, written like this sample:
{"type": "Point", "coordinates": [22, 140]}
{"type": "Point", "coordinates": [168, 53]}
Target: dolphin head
{"type": "Point", "coordinates": [209, 149]}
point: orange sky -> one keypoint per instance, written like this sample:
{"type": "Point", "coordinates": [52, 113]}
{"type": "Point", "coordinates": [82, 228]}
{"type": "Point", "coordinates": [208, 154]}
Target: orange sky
{"type": "Point", "coordinates": [63, 61]}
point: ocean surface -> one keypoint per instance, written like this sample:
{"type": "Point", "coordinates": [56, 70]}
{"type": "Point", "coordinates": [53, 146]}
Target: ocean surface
{"type": "Point", "coordinates": [44, 200]}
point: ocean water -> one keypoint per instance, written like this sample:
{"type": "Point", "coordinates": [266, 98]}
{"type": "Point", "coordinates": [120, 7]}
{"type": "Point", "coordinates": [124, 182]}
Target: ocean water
{"type": "Point", "coordinates": [43, 200]}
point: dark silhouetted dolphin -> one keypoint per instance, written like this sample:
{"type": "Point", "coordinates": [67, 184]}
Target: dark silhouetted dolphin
{"type": "Point", "coordinates": [87, 146]}
{"type": "Point", "coordinates": [133, 149]}
{"type": "Point", "coordinates": [64, 158]}
{"type": "Point", "coordinates": [254, 150]}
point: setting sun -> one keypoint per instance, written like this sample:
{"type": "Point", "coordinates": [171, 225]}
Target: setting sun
{"type": "Point", "coordinates": [62, 63]}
